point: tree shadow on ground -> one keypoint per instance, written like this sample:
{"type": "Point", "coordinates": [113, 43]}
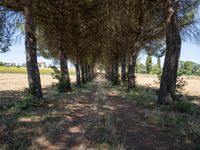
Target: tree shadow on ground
{"type": "Point", "coordinates": [60, 122]}
{"type": "Point", "coordinates": [56, 124]}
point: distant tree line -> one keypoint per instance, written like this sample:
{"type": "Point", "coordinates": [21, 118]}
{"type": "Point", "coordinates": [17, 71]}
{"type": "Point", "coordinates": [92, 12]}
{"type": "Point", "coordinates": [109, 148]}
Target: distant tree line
{"type": "Point", "coordinates": [185, 67]}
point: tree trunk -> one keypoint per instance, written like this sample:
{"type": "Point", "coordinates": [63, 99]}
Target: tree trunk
{"type": "Point", "coordinates": [123, 70]}
{"type": "Point", "coordinates": [93, 76]}
{"type": "Point", "coordinates": [92, 72]}
{"type": "Point", "coordinates": [31, 54]}
{"type": "Point", "coordinates": [78, 75]}
{"type": "Point", "coordinates": [89, 73]}
{"type": "Point", "coordinates": [83, 73]}
{"type": "Point", "coordinates": [131, 70]}
{"type": "Point", "coordinates": [173, 48]}
{"type": "Point", "coordinates": [86, 72]}
{"type": "Point", "coordinates": [64, 69]}
{"type": "Point", "coordinates": [112, 73]}
{"type": "Point", "coordinates": [116, 71]}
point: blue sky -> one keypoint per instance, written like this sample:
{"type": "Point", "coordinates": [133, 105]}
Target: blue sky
{"type": "Point", "coordinates": [17, 54]}
{"type": "Point", "coordinates": [189, 51]}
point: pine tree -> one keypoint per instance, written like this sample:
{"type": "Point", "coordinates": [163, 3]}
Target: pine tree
{"type": "Point", "coordinates": [149, 63]}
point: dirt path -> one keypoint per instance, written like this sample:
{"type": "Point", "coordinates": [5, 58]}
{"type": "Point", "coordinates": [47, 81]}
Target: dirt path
{"type": "Point", "coordinates": [133, 130]}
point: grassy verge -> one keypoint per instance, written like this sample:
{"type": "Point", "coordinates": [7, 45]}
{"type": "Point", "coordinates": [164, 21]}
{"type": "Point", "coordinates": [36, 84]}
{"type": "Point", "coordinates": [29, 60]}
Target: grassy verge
{"type": "Point", "coordinates": [182, 119]}
{"type": "Point", "coordinates": [24, 71]}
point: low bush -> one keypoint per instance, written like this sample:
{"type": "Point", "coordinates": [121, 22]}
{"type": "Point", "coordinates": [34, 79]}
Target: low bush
{"type": "Point", "coordinates": [144, 97]}
{"type": "Point", "coordinates": [184, 106]}
{"type": "Point", "coordinates": [62, 84]}
{"type": "Point", "coordinates": [25, 103]}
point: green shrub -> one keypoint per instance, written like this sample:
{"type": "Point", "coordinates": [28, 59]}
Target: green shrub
{"type": "Point", "coordinates": [144, 97]}
{"type": "Point", "coordinates": [25, 102]}
{"type": "Point", "coordinates": [143, 71]}
{"type": "Point", "coordinates": [197, 73]}
{"type": "Point", "coordinates": [62, 84]}
{"type": "Point", "coordinates": [168, 121]}
{"type": "Point", "coordinates": [184, 107]}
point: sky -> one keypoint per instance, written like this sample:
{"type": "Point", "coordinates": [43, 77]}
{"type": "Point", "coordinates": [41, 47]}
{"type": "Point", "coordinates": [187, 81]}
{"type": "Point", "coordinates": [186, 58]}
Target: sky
{"type": "Point", "coordinates": [189, 51]}
{"type": "Point", "coordinates": [17, 54]}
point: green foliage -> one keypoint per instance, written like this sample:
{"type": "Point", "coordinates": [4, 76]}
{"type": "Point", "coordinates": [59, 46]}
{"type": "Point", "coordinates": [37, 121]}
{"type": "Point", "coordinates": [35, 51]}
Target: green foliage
{"type": "Point", "coordinates": [62, 84]}
{"type": "Point", "coordinates": [187, 67]}
{"type": "Point", "coordinates": [154, 69]}
{"type": "Point", "coordinates": [196, 69]}
{"type": "Point", "coordinates": [143, 96]}
{"type": "Point", "coordinates": [149, 63]}
{"type": "Point", "coordinates": [1, 64]}
{"type": "Point", "coordinates": [197, 73]}
{"type": "Point", "coordinates": [168, 120]}
{"type": "Point", "coordinates": [159, 65]}
{"type": "Point", "coordinates": [141, 68]}
{"type": "Point", "coordinates": [26, 101]}
{"type": "Point", "coordinates": [185, 107]}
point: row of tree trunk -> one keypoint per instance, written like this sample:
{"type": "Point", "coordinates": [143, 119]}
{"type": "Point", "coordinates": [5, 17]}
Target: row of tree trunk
{"type": "Point", "coordinates": [169, 73]}
{"type": "Point", "coordinates": [84, 73]}
{"type": "Point", "coordinates": [127, 70]}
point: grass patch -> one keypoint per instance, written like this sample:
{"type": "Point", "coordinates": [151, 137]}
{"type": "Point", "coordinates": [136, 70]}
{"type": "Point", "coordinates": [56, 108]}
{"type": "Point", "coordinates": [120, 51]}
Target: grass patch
{"type": "Point", "coordinates": [142, 96]}
{"type": "Point", "coordinates": [186, 107]}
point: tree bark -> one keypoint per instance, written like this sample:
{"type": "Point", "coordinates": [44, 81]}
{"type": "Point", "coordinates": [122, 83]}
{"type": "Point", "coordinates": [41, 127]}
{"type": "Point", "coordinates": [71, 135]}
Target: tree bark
{"type": "Point", "coordinates": [78, 75]}
{"type": "Point", "coordinates": [89, 73]}
{"type": "Point", "coordinates": [116, 71]}
{"type": "Point", "coordinates": [112, 73]}
{"type": "Point", "coordinates": [86, 72]}
{"type": "Point", "coordinates": [123, 69]}
{"type": "Point", "coordinates": [131, 70]}
{"type": "Point", "coordinates": [31, 53]}
{"type": "Point", "coordinates": [133, 57]}
{"type": "Point", "coordinates": [83, 73]}
{"type": "Point", "coordinates": [64, 69]}
{"type": "Point", "coordinates": [173, 49]}
{"type": "Point", "coordinates": [92, 71]}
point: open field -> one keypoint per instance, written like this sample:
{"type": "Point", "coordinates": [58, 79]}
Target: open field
{"type": "Point", "coordinates": [15, 82]}
{"type": "Point", "coordinates": [22, 70]}
{"type": "Point", "coordinates": [192, 89]}
{"type": "Point", "coordinates": [19, 82]}
{"type": "Point", "coordinates": [12, 83]}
